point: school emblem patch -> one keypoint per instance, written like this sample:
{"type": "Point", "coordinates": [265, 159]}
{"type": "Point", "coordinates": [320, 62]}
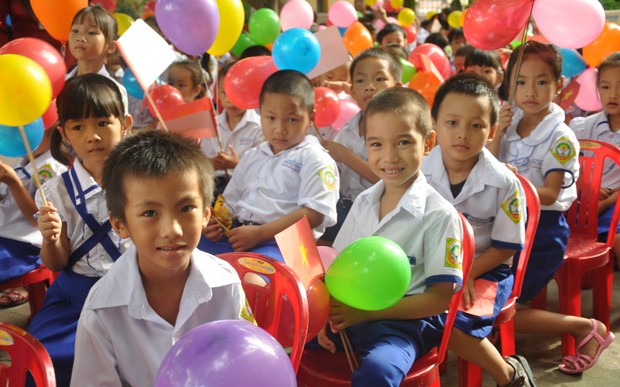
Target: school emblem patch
{"type": "Point", "coordinates": [563, 150]}
{"type": "Point", "coordinates": [512, 207]}
{"type": "Point", "coordinates": [454, 256]}
{"type": "Point", "coordinates": [328, 177]}
{"type": "Point", "coordinates": [45, 173]}
{"type": "Point", "coordinates": [246, 313]}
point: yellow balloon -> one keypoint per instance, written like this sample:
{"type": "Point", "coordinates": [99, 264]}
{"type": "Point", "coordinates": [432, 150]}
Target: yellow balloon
{"type": "Point", "coordinates": [124, 22]}
{"type": "Point", "coordinates": [397, 4]}
{"type": "Point", "coordinates": [454, 19]}
{"type": "Point", "coordinates": [371, 2]}
{"type": "Point", "coordinates": [406, 17]}
{"type": "Point", "coordinates": [25, 90]}
{"type": "Point", "coordinates": [430, 14]}
{"type": "Point", "coordinates": [232, 18]}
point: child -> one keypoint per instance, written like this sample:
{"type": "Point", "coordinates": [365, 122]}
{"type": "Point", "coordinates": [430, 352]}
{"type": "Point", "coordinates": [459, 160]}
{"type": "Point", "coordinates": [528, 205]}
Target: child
{"type": "Point", "coordinates": [278, 182]}
{"type": "Point", "coordinates": [77, 238]}
{"type": "Point", "coordinates": [604, 126]}
{"type": "Point", "coordinates": [533, 138]}
{"type": "Point", "coordinates": [158, 190]}
{"type": "Point", "coordinates": [456, 40]}
{"type": "Point", "coordinates": [372, 71]}
{"type": "Point", "coordinates": [459, 58]}
{"type": "Point", "coordinates": [392, 35]}
{"type": "Point", "coordinates": [239, 131]}
{"type": "Point", "coordinates": [338, 80]}
{"type": "Point", "coordinates": [405, 209]}
{"type": "Point", "coordinates": [187, 77]}
{"type": "Point", "coordinates": [466, 174]}
{"type": "Point", "coordinates": [487, 64]}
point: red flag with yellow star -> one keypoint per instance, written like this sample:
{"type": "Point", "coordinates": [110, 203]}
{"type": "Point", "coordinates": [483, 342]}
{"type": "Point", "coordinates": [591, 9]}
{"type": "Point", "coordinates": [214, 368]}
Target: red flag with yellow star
{"type": "Point", "coordinates": [568, 95]}
{"type": "Point", "coordinates": [299, 251]}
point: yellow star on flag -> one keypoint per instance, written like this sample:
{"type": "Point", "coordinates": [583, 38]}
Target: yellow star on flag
{"type": "Point", "coordinates": [303, 250]}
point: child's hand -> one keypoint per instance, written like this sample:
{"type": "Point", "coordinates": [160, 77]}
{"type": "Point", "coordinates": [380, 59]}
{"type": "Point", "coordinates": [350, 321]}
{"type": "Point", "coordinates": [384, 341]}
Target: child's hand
{"type": "Point", "coordinates": [469, 294]}
{"type": "Point", "coordinates": [7, 174]}
{"type": "Point", "coordinates": [244, 238]}
{"type": "Point", "coordinates": [325, 342]}
{"type": "Point", "coordinates": [505, 119]}
{"type": "Point", "coordinates": [342, 316]}
{"type": "Point", "coordinates": [336, 150]}
{"type": "Point", "coordinates": [604, 193]}
{"type": "Point", "coordinates": [338, 86]}
{"type": "Point", "coordinates": [225, 160]}
{"type": "Point", "coordinates": [49, 222]}
{"type": "Point", "coordinates": [213, 231]}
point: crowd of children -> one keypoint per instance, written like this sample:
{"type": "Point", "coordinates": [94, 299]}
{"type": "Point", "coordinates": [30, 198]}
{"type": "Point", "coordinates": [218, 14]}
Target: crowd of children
{"type": "Point", "coordinates": [127, 219]}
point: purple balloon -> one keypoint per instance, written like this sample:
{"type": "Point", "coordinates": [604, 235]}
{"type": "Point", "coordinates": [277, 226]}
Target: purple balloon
{"type": "Point", "coordinates": [191, 25]}
{"type": "Point", "coordinates": [226, 353]}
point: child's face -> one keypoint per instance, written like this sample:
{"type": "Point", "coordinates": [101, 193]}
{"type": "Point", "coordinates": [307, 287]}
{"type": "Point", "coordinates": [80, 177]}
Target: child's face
{"type": "Point", "coordinates": [395, 149]}
{"type": "Point", "coordinates": [489, 73]}
{"type": "Point", "coordinates": [463, 126]}
{"type": "Point", "coordinates": [285, 121]}
{"type": "Point", "coordinates": [458, 43]}
{"type": "Point", "coordinates": [87, 42]}
{"type": "Point", "coordinates": [371, 76]}
{"type": "Point", "coordinates": [226, 104]}
{"type": "Point", "coordinates": [609, 89]}
{"type": "Point", "coordinates": [394, 38]}
{"type": "Point", "coordinates": [181, 78]}
{"type": "Point", "coordinates": [536, 87]}
{"type": "Point", "coordinates": [164, 217]}
{"type": "Point", "coordinates": [459, 63]}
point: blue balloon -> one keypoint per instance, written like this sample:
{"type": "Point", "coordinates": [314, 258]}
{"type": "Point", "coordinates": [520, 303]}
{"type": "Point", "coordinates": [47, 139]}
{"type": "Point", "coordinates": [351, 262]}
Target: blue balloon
{"type": "Point", "coordinates": [11, 144]}
{"type": "Point", "coordinates": [342, 30]}
{"type": "Point", "coordinates": [573, 64]}
{"type": "Point", "coordinates": [296, 49]}
{"type": "Point", "coordinates": [131, 84]}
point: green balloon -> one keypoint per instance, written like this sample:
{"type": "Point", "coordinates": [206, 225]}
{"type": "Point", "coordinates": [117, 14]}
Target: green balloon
{"type": "Point", "coordinates": [409, 70]}
{"type": "Point", "coordinates": [264, 26]}
{"type": "Point", "coordinates": [372, 273]}
{"type": "Point", "coordinates": [242, 43]}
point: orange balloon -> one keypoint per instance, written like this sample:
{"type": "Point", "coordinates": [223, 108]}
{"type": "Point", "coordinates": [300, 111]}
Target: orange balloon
{"type": "Point", "coordinates": [56, 15]}
{"type": "Point", "coordinates": [425, 83]}
{"type": "Point", "coordinates": [357, 38]}
{"type": "Point", "coordinates": [462, 17]}
{"type": "Point", "coordinates": [607, 43]}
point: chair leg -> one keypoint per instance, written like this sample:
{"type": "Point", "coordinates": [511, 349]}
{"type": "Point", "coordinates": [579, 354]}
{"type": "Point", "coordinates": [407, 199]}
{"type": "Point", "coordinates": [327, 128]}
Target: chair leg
{"type": "Point", "coordinates": [36, 296]}
{"type": "Point", "coordinates": [507, 337]}
{"type": "Point", "coordinates": [602, 291]}
{"type": "Point", "coordinates": [470, 374]}
{"type": "Point", "coordinates": [569, 298]}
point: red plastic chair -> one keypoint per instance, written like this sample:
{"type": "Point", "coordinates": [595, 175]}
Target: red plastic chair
{"type": "Point", "coordinates": [27, 356]}
{"type": "Point", "coordinates": [36, 282]}
{"type": "Point", "coordinates": [266, 301]}
{"type": "Point", "coordinates": [585, 253]}
{"type": "Point", "coordinates": [321, 368]}
{"type": "Point", "coordinates": [470, 374]}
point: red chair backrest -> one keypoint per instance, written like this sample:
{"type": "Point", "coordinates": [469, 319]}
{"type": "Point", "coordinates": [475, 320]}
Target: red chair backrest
{"type": "Point", "coordinates": [27, 356]}
{"type": "Point", "coordinates": [266, 301]}
{"type": "Point", "coordinates": [533, 216]}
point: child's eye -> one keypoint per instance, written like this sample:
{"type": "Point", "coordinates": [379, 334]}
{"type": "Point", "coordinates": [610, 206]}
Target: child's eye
{"type": "Point", "coordinates": [374, 144]}
{"type": "Point", "coordinates": [149, 214]}
{"type": "Point", "coordinates": [381, 79]}
{"type": "Point", "coordinates": [451, 122]}
{"type": "Point", "coordinates": [404, 142]}
{"type": "Point", "coordinates": [93, 32]}
{"type": "Point", "coordinates": [542, 82]}
{"type": "Point", "coordinates": [520, 83]}
{"type": "Point", "coordinates": [188, 208]}
{"type": "Point", "coordinates": [292, 119]}
{"type": "Point", "coordinates": [74, 30]}
{"type": "Point", "coordinates": [604, 87]}
{"type": "Point", "coordinates": [76, 127]}
{"type": "Point", "coordinates": [477, 126]}
{"type": "Point", "coordinates": [103, 123]}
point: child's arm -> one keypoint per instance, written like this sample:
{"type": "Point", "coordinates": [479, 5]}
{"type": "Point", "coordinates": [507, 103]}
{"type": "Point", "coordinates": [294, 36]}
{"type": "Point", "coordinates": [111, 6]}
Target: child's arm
{"type": "Point", "coordinates": [607, 197]}
{"type": "Point", "coordinates": [504, 121]}
{"type": "Point", "coordinates": [55, 248]}
{"type": "Point", "coordinates": [488, 260]}
{"type": "Point", "coordinates": [22, 198]}
{"type": "Point", "coordinates": [344, 155]}
{"type": "Point", "coordinates": [226, 160]}
{"type": "Point", "coordinates": [549, 192]}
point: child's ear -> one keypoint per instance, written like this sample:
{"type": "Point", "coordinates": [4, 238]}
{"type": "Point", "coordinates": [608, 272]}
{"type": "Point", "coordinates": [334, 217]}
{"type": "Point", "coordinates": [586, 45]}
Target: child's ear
{"type": "Point", "coordinates": [492, 132]}
{"type": "Point", "coordinates": [127, 124]}
{"type": "Point", "coordinates": [429, 143]}
{"type": "Point", "coordinates": [207, 215]}
{"type": "Point", "coordinates": [398, 84]}
{"type": "Point", "coordinates": [500, 79]}
{"type": "Point", "coordinates": [118, 226]}
{"type": "Point", "coordinates": [560, 85]}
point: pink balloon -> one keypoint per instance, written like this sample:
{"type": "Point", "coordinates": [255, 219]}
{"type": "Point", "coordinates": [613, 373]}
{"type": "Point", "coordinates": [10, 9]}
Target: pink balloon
{"type": "Point", "coordinates": [327, 254]}
{"type": "Point", "coordinates": [342, 14]}
{"type": "Point", "coordinates": [296, 14]}
{"type": "Point", "coordinates": [587, 97]}
{"type": "Point", "coordinates": [347, 110]}
{"type": "Point", "coordinates": [435, 54]}
{"type": "Point", "coordinates": [574, 24]}
{"type": "Point", "coordinates": [492, 24]}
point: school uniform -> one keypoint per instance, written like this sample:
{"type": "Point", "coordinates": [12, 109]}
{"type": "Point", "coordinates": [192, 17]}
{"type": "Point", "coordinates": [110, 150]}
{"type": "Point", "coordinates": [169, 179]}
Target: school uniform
{"type": "Point", "coordinates": [121, 340]}
{"type": "Point", "coordinates": [429, 230]}
{"type": "Point", "coordinates": [103, 71]}
{"type": "Point", "coordinates": [81, 205]}
{"type": "Point", "coordinates": [552, 146]}
{"type": "Point", "coordinates": [20, 241]}
{"type": "Point", "coordinates": [492, 201]}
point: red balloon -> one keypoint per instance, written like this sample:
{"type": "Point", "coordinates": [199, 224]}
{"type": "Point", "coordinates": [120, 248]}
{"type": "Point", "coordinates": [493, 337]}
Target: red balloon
{"type": "Point", "coordinates": [165, 97]}
{"type": "Point", "coordinates": [50, 117]}
{"type": "Point", "coordinates": [435, 54]}
{"type": "Point", "coordinates": [326, 105]}
{"type": "Point", "coordinates": [245, 79]}
{"type": "Point", "coordinates": [110, 5]}
{"type": "Point", "coordinates": [412, 34]}
{"type": "Point", "coordinates": [44, 54]}
{"type": "Point", "coordinates": [492, 24]}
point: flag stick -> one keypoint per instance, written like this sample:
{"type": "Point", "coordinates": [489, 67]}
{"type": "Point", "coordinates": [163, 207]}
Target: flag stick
{"type": "Point", "coordinates": [513, 84]}
{"type": "Point", "coordinates": [157, 113]}
{"type": "Point", "coordinates": [35, 173]}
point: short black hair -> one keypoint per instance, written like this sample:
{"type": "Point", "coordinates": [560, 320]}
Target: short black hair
{"type": "Point", "coordinates": [394, 65]}
{"type": "Point", "coordinates": [291, 83]}
{"type": "Point", "coordinates": [404, 102]}
{"type": "Point", "coordinates": [438, 39]}
{"type": "Point", "coordinates": [464, 50]}
{"type": "Point", "coordinates": [255, 51]}
{"type": "Point", "coordinates": [479, 57]}
{"type": "Point", "coordinates": [455, 33]}
{"type": "Point", "coordinates": [388, 29]}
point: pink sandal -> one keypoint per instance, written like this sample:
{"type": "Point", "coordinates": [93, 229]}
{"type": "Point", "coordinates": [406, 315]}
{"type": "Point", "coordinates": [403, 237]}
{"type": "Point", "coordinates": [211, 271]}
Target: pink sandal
{"type": "Point", "coordinates": [581, 362]}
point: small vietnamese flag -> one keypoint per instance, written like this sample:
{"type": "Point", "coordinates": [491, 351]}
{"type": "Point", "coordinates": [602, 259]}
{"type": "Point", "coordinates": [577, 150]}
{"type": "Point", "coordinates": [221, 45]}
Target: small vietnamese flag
{"type": "Point", "coordinates": [300, 252]}
{"type": "Point", "coordinates": [194, 119]}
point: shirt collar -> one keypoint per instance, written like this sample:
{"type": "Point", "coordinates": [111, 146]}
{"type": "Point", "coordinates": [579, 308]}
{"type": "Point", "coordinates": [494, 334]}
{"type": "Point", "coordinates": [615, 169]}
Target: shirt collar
{"type": "Point", "coordinates": [413, 201]}
{"type": "Point", "coordinates": [250, 116]}
{"type": "Point", "coordinates": [541, 132]}
{"type": "Point", "coordinates": [87, 182]}
{"type": "Point", "coordinates": [309, 139]}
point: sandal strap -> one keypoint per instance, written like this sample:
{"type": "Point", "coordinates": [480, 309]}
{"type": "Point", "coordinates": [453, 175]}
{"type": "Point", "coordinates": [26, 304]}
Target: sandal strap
{"type": "Point", "coordinates": [578, 361]}
{"type": "Point", "coordinates": [592, 335]}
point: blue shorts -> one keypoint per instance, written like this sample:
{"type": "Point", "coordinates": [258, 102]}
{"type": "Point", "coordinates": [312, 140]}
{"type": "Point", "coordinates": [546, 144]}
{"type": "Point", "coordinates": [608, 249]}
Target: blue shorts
{"type": "Point", "coordinates": [604, 221]}
{"type": "Point", "coordinates": [17, 258]}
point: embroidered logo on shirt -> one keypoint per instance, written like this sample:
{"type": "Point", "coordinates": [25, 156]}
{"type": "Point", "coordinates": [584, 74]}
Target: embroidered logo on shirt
{"type": "Point", "coordinates": [454, 257]}
{"type": "Point", "coordinates": [328, 177]}
{"type": "Point", "coordinates": [563, 150]}
{"type": "Point", "coordinates": [45, 173]}
{"type": "Point", "coordinates": [292, 164]}
{"type": "Point", "coordinates": [246, 313]}
{"type": "Point", "coordinates": [512, 207]}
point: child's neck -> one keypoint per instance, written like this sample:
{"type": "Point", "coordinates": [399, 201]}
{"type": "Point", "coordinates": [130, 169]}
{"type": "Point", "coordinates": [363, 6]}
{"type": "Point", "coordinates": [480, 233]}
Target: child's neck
{"type": "Point", "coordinates": [96, 171]}
{"type": "Point", "coordinates": [391, 197]}
{"type": "Point", "coordinates": [458, 171]}
{"type": "Point", "coordinates": [164, 292]}
{"type": "Point", "coordinates": [614, 122]}
{"type": "Point", "coordinates": [88, 67]}
{"type": "Point", "coordinates": [233, 119]}
{"type": "Point", "coordinates": [529, 122]}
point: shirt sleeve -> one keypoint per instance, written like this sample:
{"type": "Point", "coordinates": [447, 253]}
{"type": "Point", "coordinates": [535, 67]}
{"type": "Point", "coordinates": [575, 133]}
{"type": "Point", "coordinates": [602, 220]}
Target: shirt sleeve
{"type": "Point", "coordinates": [578, 125]}
{"type": "Point", "coordinates": [234, 189]}
{"type": "Point", "coordinates": [320, 184]}
{"type": "Point", "coordinates": [508, 230]}
{"type": "Point", "coordinates": [563, 156]}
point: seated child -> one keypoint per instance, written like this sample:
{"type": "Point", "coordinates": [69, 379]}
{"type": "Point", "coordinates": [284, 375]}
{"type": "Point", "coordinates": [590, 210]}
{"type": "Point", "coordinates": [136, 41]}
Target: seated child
{"type": "Point", "coordinates": [158, 190]}
{"type": "Point", "coordinates": [404, 208]}
{"type": "Point", "coordinates": [278, 182]}
{"type": "Point", "coordinates": [487, 64]}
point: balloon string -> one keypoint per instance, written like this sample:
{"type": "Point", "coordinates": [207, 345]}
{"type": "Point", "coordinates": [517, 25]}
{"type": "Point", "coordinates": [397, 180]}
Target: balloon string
{"type": "Point", "coordinates": [513, 85]}
{"type": "Point", "coordinates": [35, 173]}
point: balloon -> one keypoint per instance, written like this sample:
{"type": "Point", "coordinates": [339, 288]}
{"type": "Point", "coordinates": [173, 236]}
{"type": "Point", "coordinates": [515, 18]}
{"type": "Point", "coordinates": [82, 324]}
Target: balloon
{"type": "Point", "coordinates": [226, 353]}
{"type": "Point", "coordinates": [25, 90]}
{"type": "Point", "coordinates": [131, 84]}
{"type": "Point", "coordinates": [492, 24]}
{"type": "Point", "coordinates": [435, 54]}
{"type": "Point", "coordinates": [454, 19]}
{"type": "Point", "coordinates": [232, 18]}
{"type": "Point", "coordinates": [370, 3]}
{"type": "Point", "coordinates": [412, 34]}
{"type": "Point", "coordinates": [397, 4]}
{"type": "Point", "coordinates": [264, 26]}
{"type": "Point", "coordinates": [296, 49]}
{"type": "Point", "coordinates": [318, 310]}
{"type": "Point", "coordinates": [326, 105]}
{"type": "Point", "coordinates": [347, 110]}
{"type": "Point", "coordinates": [409, 70]}
{"type": "Point", "coordinates": [607, 43]}
{"type": "Point", "coordinates": [57, 15]}
{"type": "Point", "coordinates": [165, 97]}
{"type": "Point", "coordinates": [425, 83]}
{"type": "Point", "coordinates": [327, 255]}
{"type": "Point", "coordinates": [357, 38]}
{"type": "Point", "coordinates": [50, 117]}
{"type": "Point", "coordinates": [572, 63]}
{"type": "Point", "coordinates": [123, 21]}
{"type": "Point", "coordinates": [342, 13]}
{"type": "Point", "coordinates": [587, 98]}
{"type": "Point", "coordinates": [462, 17]}
{"type": "Point", "coordinates": [573, 25]}
{"type": "Point", "coordinates": [191, 25]}
{"type": "Point", "coordinates": [44, 54]}
{"type": "Point", "coordinates": [242, 43]}
{"type": "Point", "coordinates": [406, 17]}
{"type": "Point", "coordinates": [109, 5]}
{"type": "Point", "coordinates": [296, 14]}
{"type": "Point", "coordinates": [148, 10]}
{"type": "Point", "coordinates": [372, 273]}
{"type": "Point", "coordinates": [11, 143]}
{"type": "Point", "coordinates": [244, 80]}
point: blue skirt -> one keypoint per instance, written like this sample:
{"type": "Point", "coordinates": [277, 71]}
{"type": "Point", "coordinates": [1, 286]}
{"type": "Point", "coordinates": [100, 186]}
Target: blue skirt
{"type": "Point", "coordinates": [55, 324]}
{"type": "Point", "coordinates": [17, 258]}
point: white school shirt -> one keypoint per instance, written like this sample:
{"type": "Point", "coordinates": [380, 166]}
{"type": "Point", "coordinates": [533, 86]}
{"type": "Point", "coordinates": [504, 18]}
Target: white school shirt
{"type": "Point", "coordinates": [491, 199]}
{"type": "Point", "coordinates": [246, 135]}
{"type": "Point", "coordinates": [424, 224]}
{"type": "Point", "coordinates": [267, 186]}
{"type": "Point", "coordinates": [121, 340]}
{"type": "Point", "coordinates": [352, 184]}
{"type": "Point", "coordinates": [96, 262]}
{"type": "Point", "coordinates": [552, 146]}
{"type": "Point", "coordinates": [596, 127]}
{"type": "Point", "coordinates": [13, 224]}
{"type": "Point", "coordinates": [103, 71]}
